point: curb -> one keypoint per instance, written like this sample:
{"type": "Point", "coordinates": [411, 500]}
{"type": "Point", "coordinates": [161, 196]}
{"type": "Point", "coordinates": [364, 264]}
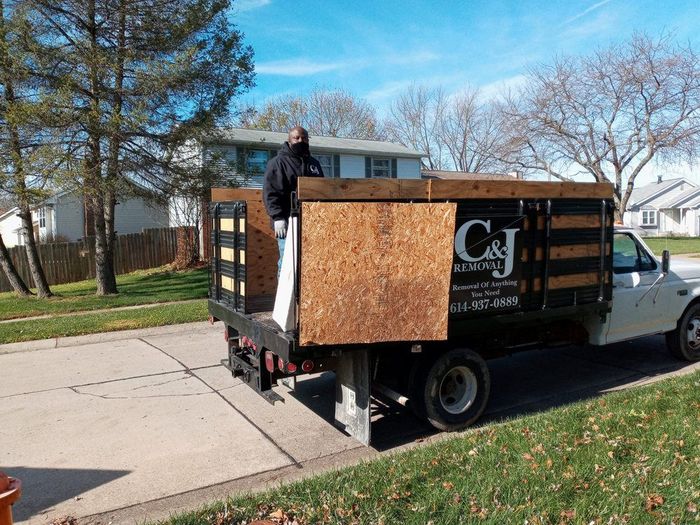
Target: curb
{"type": "Point", "coordinates": [79, 340]}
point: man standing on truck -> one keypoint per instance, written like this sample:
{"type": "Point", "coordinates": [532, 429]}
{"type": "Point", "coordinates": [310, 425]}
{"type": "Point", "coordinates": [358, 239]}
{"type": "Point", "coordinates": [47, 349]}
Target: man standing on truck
{"type": "Point", "coordinates": [292, 161]}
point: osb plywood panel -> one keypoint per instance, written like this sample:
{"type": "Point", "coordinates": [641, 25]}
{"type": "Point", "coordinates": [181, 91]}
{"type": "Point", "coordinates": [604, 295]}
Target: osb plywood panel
{"type": "Point", "coordinates": [373, 272]}
{"type": "Point", "coordinates": [262, 253]}
{"type": "Point", "coordinates": [318, 189]}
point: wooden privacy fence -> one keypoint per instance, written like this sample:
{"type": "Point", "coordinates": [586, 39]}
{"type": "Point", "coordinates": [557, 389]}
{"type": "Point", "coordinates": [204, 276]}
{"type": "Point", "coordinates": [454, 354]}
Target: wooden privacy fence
{"type": "Point", "coordinates": [66, 262]}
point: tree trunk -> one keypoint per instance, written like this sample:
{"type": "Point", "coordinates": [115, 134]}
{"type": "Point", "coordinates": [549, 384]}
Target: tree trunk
{"type": "Point", "coordinates": [104, 274]}
{"type": "Point", "coordinates": [18, 173]}
{"type": "Point", "coordinates": [104, 271]}
{"type": "Point", "coordinates": [35, 267]}
{"type": "Point", "coordinates": [11, 272]}
{"type": "Point", "coordinates": [110, 199]}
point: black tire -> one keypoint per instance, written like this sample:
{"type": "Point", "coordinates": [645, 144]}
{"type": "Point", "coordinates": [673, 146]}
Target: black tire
{"type": "Point", "coordinates": [684, 341]}
{"type": "Point", "coordinates": [451, 391]}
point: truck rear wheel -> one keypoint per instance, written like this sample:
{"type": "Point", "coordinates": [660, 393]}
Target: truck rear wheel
{"type": "Point", "coordinates": [684, 341]}
{"type": "Point", "coordinates": [452, 391]}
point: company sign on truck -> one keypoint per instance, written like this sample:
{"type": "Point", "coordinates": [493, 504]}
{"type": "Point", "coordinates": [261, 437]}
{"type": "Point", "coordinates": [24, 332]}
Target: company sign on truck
{"type": "Point", "coordinates": [486, 269]}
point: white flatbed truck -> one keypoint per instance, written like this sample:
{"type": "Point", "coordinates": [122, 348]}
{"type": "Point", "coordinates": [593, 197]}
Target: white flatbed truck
{"type": "Point", "coordinates": [406, 288]}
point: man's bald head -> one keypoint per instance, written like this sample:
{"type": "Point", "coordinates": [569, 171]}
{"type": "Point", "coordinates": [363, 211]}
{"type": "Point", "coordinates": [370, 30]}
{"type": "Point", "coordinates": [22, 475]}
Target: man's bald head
{"type": "Point", "coordinates": [297, 134]}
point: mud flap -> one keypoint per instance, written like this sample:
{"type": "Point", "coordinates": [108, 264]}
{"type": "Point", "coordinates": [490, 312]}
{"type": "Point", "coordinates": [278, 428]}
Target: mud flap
{"type": "Point", "coordinates": [352, 395]}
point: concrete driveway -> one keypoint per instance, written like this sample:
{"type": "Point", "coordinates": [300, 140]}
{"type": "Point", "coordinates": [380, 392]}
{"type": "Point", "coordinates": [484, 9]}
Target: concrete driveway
{"type": "Point", "coordinates": [119, 428]}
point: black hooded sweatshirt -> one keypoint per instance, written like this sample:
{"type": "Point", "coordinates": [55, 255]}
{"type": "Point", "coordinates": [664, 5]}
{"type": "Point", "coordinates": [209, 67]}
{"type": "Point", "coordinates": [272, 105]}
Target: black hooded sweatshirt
{"type": "Point", "coordinates": [281, 179]}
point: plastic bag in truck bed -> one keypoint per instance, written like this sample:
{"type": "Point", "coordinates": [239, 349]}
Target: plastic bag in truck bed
{"type": "Point", "coordinates": [283, 313]}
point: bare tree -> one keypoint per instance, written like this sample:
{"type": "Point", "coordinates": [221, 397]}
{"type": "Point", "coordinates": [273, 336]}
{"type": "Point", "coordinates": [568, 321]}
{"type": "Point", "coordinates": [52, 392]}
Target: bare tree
{"type": "Point", "coordinates": [608, 114]}
{"type": "Point", "coordinates": [470, 131]}
{"type": "Point", "coordinates": [415, 121]}
{"type": "Point", "coordinates": [330, 113]}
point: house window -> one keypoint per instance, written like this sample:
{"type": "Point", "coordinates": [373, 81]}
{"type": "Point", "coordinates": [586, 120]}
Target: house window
{"type": "Point", "coordinates": [649, 217]}
{"type": "Point", "coordinates": [381, 167]}
{"type": "Point", "coordinates": [326, 162]}
{"type": "Point", "coordinates": [256, 161]}
{"type": "Point", "coordinates": [42, 217]}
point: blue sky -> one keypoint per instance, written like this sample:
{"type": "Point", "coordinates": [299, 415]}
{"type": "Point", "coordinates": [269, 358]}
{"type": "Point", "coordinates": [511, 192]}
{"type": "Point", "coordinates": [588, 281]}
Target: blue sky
{"type": "Point", "coordinates": [375, 49]}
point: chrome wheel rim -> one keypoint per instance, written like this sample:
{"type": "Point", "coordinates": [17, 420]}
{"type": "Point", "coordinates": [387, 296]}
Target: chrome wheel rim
{"type": "Point", "coordinates": [458, 390]}
{"type": "Point", "coordinates": [693, 334]}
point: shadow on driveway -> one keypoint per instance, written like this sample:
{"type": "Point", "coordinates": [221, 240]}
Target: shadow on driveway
{"type": "Point", "coordinates": [44, 488]}
{"type": "Point", "coordinates": [521, 384]}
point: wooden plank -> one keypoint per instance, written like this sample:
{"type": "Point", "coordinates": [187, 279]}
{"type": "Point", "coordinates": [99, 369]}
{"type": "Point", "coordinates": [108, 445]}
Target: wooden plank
{"type": "Point", "coordinates": [383, 275]}
{"type": "Point", "coordinates": [573, 221]}
{"type": "Point", "coordinates": [498, 189]}
{"type": "Point", "coordinates": [236, 194]}
{"type": "Point", "coordinates": [567, 281]}
{"type": "Point", "coordinates": [567, 252]}
{"type": "Point", "coordinates": [261, 251]}
{"type": "Point", "coordinates": [317, 189]}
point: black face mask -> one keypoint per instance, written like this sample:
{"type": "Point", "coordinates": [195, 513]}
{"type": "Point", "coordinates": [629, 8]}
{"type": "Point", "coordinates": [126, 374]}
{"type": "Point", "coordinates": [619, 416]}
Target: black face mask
{"type": "Point", "coordinates": [300, 149]}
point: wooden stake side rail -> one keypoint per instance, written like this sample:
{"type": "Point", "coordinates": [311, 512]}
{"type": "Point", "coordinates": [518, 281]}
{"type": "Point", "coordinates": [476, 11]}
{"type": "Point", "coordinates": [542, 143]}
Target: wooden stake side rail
{"type": "Point", "coordinates": [317, 189]}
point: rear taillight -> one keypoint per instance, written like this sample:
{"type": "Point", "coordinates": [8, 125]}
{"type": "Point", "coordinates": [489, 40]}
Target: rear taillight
{"type": "Point", "coordinates": [247, 342]}
{"type": "Point", "coordinates": [288, 368]}
{"type": "Point", "coordinates": [307, 366]}
{"type": "Point", "coordinates": [270, 361]}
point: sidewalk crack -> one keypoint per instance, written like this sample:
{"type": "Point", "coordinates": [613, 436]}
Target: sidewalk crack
{"type": "Point", "coordinates": [267, 436]}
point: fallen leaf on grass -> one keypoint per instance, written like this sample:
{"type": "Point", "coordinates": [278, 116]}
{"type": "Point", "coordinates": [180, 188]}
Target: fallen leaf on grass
{"type": "Point", "coordinates": [691, 507]}
{"type": "Point", "coordinates": [448, 485]}
{"type": "Point", "coordinates": [568, 514]}
{"type": "Point", "coordinates": [653, 501]}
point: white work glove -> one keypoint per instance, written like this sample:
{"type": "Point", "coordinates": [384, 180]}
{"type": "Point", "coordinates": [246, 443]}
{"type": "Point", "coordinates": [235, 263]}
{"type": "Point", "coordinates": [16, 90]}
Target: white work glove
{"type": "Point", "coordinates": [280, 229]}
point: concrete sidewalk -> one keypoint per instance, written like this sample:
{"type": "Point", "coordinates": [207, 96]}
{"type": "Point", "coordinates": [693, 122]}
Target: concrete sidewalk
{"type": "Point", "coordinates": [133, 426]}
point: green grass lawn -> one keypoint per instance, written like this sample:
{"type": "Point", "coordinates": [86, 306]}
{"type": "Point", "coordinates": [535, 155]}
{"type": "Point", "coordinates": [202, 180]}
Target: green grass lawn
{"type": "Point", "coordinates": [96, 322]}
{"type": "Point", "coordinates": [629, 457]}
{"type": "Point", "coordinates": [676, 245]}
{"type": "Point", "coordinates": [156, 285]}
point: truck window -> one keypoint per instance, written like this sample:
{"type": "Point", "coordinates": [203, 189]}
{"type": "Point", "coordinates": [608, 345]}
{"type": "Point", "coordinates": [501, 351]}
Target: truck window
{"type": "Point", "coordinates": [629, 256]}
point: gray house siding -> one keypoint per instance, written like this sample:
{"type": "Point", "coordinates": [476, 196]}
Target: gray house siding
{"type": "Point", "coordinates": [68, 217]}
{"type": "Point", "coordinates": [409, 168]}
{"type": "Point", "coordinates": [352, 167]}
{"type": "Point", "coordinates": [226, 160]}
{"type": "Point", "coordinates": [136, 214]}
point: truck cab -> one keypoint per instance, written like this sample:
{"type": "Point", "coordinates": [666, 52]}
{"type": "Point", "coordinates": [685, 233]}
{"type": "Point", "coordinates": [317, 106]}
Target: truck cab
{"type": "Point", "coordinates": [651, 296]}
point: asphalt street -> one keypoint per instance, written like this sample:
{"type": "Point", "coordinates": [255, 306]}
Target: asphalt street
{"type": "Point", "coordinates": [133, 426]}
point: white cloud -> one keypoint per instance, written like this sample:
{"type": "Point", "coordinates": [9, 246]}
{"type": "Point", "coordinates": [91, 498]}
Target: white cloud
{"type": "Point", "coordinates": [249, 5]}
{"type": "Point", "coordinates": [498, 88]}
{"type": "Point", "coordinates": [301, 67]}
{"type": "Point", "coordinates": [296, 68]}
{"type": "Point", "coordinates": [388, 91]}
{"type": "Point", "coordinates": [409, 58]}
{"type": "Point", "coordinates": [586, 11]}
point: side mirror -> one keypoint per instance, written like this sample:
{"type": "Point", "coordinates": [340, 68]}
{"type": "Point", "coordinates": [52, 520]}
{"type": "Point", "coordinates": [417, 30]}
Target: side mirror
{"type": "Point", "coordinates": [665, 261]}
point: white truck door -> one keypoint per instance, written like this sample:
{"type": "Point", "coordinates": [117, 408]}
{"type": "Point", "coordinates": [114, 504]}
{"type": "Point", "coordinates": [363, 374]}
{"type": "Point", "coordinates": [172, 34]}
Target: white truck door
{"type": "Point", "coordinates": [638, 305]}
